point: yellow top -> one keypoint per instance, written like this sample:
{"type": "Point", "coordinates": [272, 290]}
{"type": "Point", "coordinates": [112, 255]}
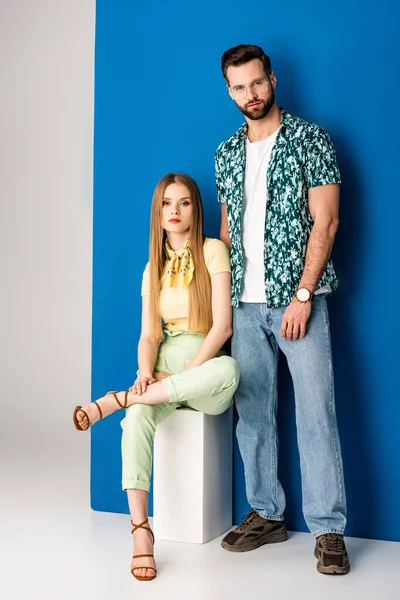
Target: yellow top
{"type": "Point", "coordinates": [174, 301]}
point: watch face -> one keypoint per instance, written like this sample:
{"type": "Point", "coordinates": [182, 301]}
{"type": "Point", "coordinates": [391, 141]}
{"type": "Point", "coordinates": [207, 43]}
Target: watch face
{"type": "Point", "coordinates": [303, 294]}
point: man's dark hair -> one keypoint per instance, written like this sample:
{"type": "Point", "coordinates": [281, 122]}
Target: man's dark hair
{"type": "Point", "coordinates": [242, 54]}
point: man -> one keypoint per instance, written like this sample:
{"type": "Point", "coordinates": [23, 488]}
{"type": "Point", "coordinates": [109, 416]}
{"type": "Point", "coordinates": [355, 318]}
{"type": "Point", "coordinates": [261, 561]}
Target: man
{"type": "Point", "coordinates": [278, 183]}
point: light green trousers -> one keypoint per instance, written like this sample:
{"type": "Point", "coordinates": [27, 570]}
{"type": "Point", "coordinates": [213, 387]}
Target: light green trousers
{"type": "Point", "coordinates": [208, 388]}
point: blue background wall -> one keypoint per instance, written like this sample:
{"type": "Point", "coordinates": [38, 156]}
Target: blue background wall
{"type": "Point", "coordinates": [161, 105]}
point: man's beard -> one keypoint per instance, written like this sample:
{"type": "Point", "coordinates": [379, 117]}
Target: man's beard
{"type": "Point", "coordinates": [261, 111]}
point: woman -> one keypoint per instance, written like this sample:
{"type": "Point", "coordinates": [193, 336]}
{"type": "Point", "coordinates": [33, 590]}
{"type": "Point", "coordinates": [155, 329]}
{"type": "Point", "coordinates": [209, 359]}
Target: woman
{"type": "Point", "coordinates": [186, 319]}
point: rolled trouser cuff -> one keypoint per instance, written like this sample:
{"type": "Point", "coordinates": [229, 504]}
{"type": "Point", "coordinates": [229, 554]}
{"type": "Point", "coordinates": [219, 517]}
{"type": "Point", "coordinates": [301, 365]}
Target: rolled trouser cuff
{"type": "Point", "coordinates": [170, 388]}
{"type": "Point", "coordinates": [135, 484]}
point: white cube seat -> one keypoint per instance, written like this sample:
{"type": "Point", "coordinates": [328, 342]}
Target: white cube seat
{"type": "Point", "coordinates": [192, 478]}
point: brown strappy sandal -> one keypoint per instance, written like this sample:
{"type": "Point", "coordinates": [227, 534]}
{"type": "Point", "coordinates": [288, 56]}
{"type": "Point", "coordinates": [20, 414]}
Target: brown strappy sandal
{"type": "Point", "coordinates": [143, 526]}
{"type": "Point", "coordinates": [79, 408]}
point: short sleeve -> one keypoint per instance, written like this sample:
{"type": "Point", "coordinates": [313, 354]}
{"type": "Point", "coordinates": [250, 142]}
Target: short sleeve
{"type": "Point", "coordinates": [146, 281]}
{"type": "Point", "coordinates": [218, 179]}
{"type": "Point", "coordinates": [321, 166]}
{"type": "Point", "coordinates": [216, 255]}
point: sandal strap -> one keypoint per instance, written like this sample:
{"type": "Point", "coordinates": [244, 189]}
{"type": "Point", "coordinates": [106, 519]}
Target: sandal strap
{"type": "Point", "coordinates": [125, 404]}
{"type": "Point", "coordinates": [76, 422]}
{"type": "Point", "coordinates": [142, 526]}
{"type": "Point", "coordinates": [145, 567]}
{"type": "Point", "coordinates": [98, 408]}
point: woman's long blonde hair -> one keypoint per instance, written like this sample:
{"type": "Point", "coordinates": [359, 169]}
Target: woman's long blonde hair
{"type": "Point", "coordinates": [200, 313]}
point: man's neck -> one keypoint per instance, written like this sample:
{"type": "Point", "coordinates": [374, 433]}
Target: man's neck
{"type": "Point", "coordinates": [260, 130]}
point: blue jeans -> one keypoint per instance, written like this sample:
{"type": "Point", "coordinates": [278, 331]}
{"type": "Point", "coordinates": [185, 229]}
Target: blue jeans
{"type": "Point", "coordinates": [255, 346]}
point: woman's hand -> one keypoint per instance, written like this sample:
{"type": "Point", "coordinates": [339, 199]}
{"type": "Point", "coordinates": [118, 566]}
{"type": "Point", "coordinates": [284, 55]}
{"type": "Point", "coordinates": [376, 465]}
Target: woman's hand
{"type": "Point", "coordinates": [140, 385]}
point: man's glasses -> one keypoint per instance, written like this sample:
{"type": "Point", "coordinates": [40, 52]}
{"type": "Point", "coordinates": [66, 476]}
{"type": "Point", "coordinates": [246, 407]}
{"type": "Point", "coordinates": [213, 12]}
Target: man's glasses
{"type": "Point", "coordinates": [258, 86]}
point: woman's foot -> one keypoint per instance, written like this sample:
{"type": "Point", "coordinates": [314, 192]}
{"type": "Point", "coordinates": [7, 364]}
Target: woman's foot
{"type": "Point", "coordinates": [86, 416]}
{"type": "Point", "coordinates": [143, 544]}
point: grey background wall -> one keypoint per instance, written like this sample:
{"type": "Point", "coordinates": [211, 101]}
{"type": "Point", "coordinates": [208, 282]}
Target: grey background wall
{"type": "Point", "coordinates": [46, 139]}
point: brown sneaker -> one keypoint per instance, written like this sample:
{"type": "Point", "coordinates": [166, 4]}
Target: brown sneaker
{"type": "Point", "coordinates": [253, 532]}
{"type": "Point", "coordinates": [330, 550]}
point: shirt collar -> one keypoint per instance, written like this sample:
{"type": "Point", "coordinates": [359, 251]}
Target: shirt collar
{"type": "Point", "coordinates": [286, 122]}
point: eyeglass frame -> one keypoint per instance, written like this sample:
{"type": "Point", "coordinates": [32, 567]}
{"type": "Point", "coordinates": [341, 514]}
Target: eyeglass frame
{"type": "Point", "coordinates": [249, 84]}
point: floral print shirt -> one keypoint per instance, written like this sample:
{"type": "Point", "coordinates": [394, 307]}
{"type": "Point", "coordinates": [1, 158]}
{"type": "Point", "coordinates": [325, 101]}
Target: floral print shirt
{"type": "Point", "coordinates": [302, 157]}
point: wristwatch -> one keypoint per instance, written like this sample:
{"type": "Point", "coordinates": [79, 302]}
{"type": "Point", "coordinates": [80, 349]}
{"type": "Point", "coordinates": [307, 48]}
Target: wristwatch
{"type": "Point", "coordinates": [304, 295]}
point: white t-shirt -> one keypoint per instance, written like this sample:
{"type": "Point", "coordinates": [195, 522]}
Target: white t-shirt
{"type": "Point", "coordinates": [253, 226]}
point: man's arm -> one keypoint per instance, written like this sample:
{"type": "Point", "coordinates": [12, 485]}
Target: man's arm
{"type": "Point", "coordinates": [323, 203]}
{"type": "Point", "coordinates": [224, 230]}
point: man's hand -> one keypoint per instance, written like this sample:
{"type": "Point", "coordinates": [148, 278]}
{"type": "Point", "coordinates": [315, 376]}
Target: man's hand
{"type": "Point", "coordinates": [295, 319]}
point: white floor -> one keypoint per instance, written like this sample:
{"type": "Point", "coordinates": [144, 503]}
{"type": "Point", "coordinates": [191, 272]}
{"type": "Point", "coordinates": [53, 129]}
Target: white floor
{"type": "Point", "coordinates": [54, 546]}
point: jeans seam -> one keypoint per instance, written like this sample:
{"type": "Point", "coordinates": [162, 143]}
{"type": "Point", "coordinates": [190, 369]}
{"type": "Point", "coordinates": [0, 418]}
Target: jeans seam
{"type": "Point", "coordinates": [273, 439]}
{"type": "Point", "coordinates": [331, 401]}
